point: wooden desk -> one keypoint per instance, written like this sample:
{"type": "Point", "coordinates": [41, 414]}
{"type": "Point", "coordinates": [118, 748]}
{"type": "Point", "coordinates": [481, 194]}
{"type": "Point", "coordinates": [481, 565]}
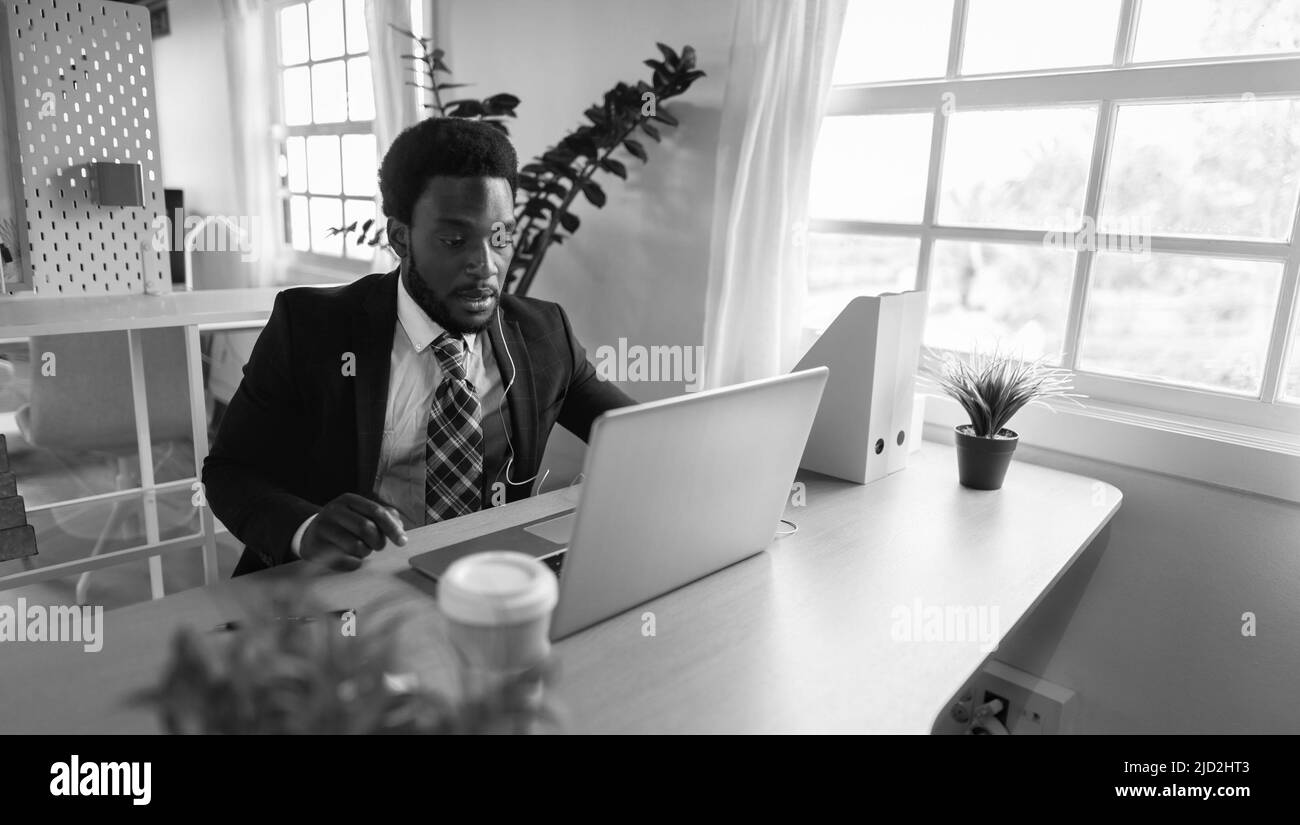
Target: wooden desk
{"type": "Point", "coordinates": [801, 638]}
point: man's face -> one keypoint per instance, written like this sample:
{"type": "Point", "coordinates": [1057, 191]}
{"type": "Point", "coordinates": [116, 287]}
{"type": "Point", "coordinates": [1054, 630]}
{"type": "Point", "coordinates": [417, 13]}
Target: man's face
{"type": "Point", "coordinates": [456, 249]}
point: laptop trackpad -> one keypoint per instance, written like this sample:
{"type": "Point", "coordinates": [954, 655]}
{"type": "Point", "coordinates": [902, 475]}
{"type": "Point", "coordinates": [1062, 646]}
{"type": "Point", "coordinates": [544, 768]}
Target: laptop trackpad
{"type": "Point", "coordinates": [558, 530]}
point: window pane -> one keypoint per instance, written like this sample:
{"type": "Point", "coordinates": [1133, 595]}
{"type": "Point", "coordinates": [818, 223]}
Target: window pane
{"type": "Point", "coordinates": [1180, 318]}
{"type": "Point", "coordinates": [360, 166]}
{"type": "Point", "coordinates": [293, 35]}
{"type": "Point", "coordinates": [1186, 29]}
{"type": "Point", "coordinates": [297, 96]}
{"type": "Point", "coordinates": [1017, 168]}
{"type": "Point", "coordinates": [359, 211]}
{"type": "Point", "coordinates": [842, 267]}
{"type": "Point", "coordinates": [299, 233]}
{"type": "Point", "coordinates": [1226, 168]}
{"type": "Point", "coordinates": [326, 29]}
{"type": "Point", "coordinates": [871, 168]}
{"type": "Point", "coordinates": [326, 214]}
{"type": "Point", "coordinates": [354, 16]}
{"type": "Point", "coordinates": [296, 150]}
{"type": "Point", "coordinates": [1291, 379]}
{"type": "Point", "coordinates": [323, 165]}
{"type": "Point", "coordinates": [890, 40]}
{"type": "Point", "coordinates": [1011, 296]}
{"type": "Point", "coordinates": [361, 93]}
{"type": "Point", "coordinates": [330, 97]}
{"type": "Point", "coordinates": [1023, 35]}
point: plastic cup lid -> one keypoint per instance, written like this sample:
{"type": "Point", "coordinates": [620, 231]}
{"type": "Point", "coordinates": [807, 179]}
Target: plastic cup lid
{"type": "Point", "coordinates": [499, 587]}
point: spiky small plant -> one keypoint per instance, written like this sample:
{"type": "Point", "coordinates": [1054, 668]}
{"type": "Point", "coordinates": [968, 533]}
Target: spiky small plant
{"type": "Point", "coordinates": [992, 387]}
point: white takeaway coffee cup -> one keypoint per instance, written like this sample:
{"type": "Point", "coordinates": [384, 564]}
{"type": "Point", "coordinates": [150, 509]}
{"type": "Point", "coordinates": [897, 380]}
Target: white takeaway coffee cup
{"type": "Point", "coordinates": [498, 606]}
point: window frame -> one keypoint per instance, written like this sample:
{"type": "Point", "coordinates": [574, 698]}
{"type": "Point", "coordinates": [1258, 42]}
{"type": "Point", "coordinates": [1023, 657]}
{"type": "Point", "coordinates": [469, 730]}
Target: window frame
{"type": "Point", "coordinates": [1106, 88]}
{"type": "Point", "coordinates": [306, 264]}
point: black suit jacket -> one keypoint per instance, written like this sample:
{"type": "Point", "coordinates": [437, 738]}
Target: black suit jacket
{"type": "Point", "coordinates": [301, 430]}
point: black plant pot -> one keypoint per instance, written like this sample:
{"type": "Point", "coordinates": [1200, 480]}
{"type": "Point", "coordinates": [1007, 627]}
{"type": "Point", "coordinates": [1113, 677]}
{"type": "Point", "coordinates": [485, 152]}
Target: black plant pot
{"type": "Point", "coordinates": [982, 462]}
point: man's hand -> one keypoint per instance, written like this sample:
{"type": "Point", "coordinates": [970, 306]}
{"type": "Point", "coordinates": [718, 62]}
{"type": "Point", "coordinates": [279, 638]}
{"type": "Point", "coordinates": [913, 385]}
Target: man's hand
{"type": "Point", "coordinates": [348, 529]}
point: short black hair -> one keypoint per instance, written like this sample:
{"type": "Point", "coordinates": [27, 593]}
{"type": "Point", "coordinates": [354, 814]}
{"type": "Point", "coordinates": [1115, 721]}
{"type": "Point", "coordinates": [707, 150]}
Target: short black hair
{"type": "Point", "coordinates": [450, 146]}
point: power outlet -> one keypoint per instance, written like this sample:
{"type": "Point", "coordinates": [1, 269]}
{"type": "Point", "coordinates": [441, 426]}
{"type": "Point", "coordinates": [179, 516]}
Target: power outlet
{"type": "Point", "coordinates": [1032, 705]}
{"type": "Point", "coordinates": [1001, 715]}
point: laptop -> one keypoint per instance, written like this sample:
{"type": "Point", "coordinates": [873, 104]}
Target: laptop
{"type": "Point", "coordinates": [674, 490]}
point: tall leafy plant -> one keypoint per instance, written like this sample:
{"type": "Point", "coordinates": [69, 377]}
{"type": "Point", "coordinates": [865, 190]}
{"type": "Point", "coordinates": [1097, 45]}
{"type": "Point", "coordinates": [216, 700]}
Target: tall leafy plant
{"type": "Point", "coordinates": [551, 183]}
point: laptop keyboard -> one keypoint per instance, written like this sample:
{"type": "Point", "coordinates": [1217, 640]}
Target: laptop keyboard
{"type": "Point", "coordinates": [555, 562]}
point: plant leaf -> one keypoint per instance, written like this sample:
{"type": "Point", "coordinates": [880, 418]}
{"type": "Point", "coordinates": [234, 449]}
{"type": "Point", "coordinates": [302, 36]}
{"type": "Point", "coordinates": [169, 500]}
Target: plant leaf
{"type": "Point", "coordinates": [569, 221]}
{"type": "Point", "coordinates": [636, 149]}
{"type": "Point", "coordinates": [538, 206]}
{"type": "Point", "coordinates": [464, 108]}
{"type": "Point", "coordinates": [594, 193]}
{"type": "Point", "coordinates": [651, 131]}
{"type": "Point", "coordinates": [614, 167]}
{"type": "Point", "coordinates": [663, 116]}
{"type": "Point", "coordinates": [670, 56]}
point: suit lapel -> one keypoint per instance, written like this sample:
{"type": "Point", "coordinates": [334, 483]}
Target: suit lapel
{"type": "Point", "coordinates": [372, 335]}
{"type": "Point", "coordinates": [521, 400]}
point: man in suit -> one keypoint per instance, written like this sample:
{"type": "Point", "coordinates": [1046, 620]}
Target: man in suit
{"type": "Point", "coordinates": [409, 397]}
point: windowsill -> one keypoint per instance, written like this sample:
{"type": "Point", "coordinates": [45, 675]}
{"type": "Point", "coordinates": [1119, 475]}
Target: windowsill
{"type": "Point", "coordinates": [1237, 457]}
{"type": "Point", "coordinates": [297, 269]}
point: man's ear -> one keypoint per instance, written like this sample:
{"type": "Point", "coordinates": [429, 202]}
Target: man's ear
{"type": "Point", "coordinates": [398, 237]}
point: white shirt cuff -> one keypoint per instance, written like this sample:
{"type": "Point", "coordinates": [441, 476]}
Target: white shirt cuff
{"type": "Point", "coordinates": [297, 536]}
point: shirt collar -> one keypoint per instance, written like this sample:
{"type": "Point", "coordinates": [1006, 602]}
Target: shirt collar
{"type": "Point", "coordinates": [421, 330]}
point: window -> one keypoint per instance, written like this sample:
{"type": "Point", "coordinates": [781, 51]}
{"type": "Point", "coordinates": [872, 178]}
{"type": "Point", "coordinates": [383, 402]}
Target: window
{"type": "Point", "coordinates": [1110, 185]}
{"type": "Point", "coordinates": [329, 157]}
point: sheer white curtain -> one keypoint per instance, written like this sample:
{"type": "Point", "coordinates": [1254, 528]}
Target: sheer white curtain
{"type": "Point", "coordinates": [778, 83]}
{"type": "Point", "coordinates": [395, 106]}
{"type": "Point", "coordinates": [250, 79]}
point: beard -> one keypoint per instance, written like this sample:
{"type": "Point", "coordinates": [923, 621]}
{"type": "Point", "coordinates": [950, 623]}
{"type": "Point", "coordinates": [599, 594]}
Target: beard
{"type": "Point", "coordinates": [433, 306]}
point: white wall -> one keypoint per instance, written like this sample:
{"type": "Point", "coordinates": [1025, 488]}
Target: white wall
{"type": "Point", "coordinates": [196, 141]}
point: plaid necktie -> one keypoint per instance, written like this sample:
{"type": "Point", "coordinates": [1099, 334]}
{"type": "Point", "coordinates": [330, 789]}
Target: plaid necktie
{"type": "Point", "coordinates": [453, 452]}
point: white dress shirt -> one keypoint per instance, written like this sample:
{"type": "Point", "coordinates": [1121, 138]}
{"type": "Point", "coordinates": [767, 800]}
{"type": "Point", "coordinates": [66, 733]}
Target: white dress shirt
{"type": "Point", "coordinates": [414, 376]}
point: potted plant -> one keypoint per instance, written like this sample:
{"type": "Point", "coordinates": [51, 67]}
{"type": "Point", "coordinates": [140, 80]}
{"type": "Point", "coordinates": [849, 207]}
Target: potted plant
{"type": "Point", "coordinates": [991, 388]}
{"type": "Point", "coordinates": [289, 667]}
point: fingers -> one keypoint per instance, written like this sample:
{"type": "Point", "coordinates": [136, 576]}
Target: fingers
{"type": "Point", "coordinates": [340, 538]}
{"type": "Point", "coordinates": [350, 528]}
{"type": "Point", "coordinates": [336, 559]}
{"type": "Point", "coordinates": [356, 524]}
{"type": "Point", "coordinates": [384, 518]}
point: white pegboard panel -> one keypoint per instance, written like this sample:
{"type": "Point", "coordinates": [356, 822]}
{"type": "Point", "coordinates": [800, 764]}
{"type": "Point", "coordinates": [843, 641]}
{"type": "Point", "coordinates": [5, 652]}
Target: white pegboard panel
{"type": "Point", "coordinates": [80, 89]}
